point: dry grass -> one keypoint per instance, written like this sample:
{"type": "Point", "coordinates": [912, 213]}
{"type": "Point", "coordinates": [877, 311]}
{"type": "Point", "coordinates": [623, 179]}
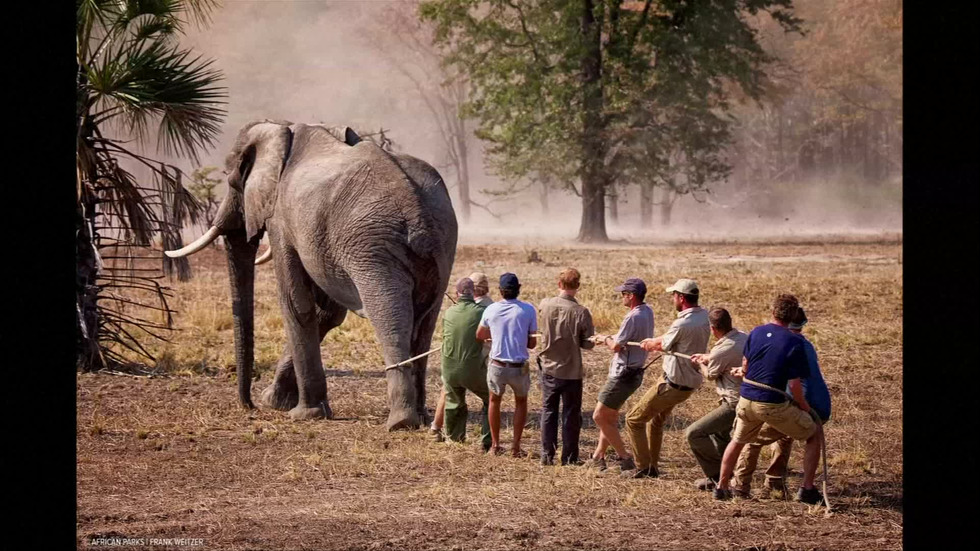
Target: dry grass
{"type": "Point", "coordinates": [175, 456]}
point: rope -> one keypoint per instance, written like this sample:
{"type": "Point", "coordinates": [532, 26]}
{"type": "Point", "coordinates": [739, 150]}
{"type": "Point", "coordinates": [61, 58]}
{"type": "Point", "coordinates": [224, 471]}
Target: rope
{"type": "Point", "coordinates": [424, 354]}
{"type": "Point", "coordinates": [816, 419]}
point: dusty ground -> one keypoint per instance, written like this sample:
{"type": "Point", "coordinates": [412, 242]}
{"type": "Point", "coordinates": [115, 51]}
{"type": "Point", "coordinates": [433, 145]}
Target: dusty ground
{"type": "Point", "coordinates": [173, 456]}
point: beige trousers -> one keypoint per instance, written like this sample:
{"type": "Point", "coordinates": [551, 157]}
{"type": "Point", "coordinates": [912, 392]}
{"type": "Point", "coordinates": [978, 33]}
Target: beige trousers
{"type": "Point", "coordinates": [645, 422]}
{"type": "Point", "coordinates": [780, 446]}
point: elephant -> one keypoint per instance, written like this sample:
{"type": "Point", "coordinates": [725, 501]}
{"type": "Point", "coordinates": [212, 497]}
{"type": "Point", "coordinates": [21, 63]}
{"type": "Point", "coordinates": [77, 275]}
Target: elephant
{"type": "Point", "coordinates": [351, 227]}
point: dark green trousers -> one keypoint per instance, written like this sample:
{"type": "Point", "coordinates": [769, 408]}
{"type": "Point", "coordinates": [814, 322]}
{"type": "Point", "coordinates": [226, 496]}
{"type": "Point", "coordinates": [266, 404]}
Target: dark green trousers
{"type": "Point", "coordinates": [709, 436]}
{"type": "Point", "coordinates": [457, 380]}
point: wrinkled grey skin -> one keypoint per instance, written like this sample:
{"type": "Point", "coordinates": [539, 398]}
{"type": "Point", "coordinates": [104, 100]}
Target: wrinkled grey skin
{"type": "Point", "coordinates": [352, 227]}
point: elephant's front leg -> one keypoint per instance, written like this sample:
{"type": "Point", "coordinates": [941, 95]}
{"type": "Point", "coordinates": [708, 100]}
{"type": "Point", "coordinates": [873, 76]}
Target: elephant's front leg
{"type": "Point", "coordinates": [298, 302]}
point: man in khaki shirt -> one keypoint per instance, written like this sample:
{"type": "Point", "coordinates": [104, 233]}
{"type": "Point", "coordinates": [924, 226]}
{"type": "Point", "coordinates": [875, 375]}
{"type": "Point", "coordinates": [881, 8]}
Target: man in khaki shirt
{"type": "Point", "coordinates": [566, 328]}
{"type": "Point", "coordinates": [709, 435]}
{"type": "Point", "coordinates": [688, 335]}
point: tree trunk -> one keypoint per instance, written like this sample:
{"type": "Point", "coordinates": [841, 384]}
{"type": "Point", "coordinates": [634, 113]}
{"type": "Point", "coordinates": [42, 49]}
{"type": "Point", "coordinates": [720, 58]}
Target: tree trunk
{"type": "Point", "coordinates": [780, 158]}
{"type": "Point", "coordinates": [594, 178]}
{"type": "Point", "coordinates": [666, 205]}
{"type": "Point", "coordinates": [463, 170]}
{"type": "Point", "coordinates": [543, 198]}
{"type": "Point", "coordinates": [88, 353]}
{"type": "Point", "coordinates": [646, 204]}
{"type": "Point", "coordinates": [613, 208]}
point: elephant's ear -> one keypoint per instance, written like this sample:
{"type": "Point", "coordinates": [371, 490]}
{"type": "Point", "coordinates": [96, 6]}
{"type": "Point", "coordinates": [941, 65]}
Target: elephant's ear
{"type": "Point", "coordinates": [271, 144]}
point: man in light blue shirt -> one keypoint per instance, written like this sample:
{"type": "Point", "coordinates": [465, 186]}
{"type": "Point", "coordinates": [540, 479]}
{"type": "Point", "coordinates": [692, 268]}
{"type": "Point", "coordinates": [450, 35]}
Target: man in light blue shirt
{"type": "Point", "coordinates": [508, 324]}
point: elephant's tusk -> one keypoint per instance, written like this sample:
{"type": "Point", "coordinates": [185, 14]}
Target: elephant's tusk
{"type": "Point", "coordinates": [265, 257]}
{"type": "Point", "coordinates": [201, 242]}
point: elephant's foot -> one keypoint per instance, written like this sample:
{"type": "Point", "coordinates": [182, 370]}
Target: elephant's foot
{"type": "Point", "coordinates": [319, 411]}
{"type": "Point", "coordinates": [403, 419]}
{"type": "Point", "coordinates": [275, 397]}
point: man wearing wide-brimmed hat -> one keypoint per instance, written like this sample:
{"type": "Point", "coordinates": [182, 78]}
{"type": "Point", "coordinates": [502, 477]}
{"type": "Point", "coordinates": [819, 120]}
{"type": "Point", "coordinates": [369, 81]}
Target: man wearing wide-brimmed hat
{"type": "Point", "coordinates": [688, 335]}
{"type": "Point", "coordinates": [463, 367]}
{"type": "Point", "coordinates": [481, 295]}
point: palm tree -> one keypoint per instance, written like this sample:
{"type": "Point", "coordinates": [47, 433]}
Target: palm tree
{"type": "Point", "coordinates": [132, 74]}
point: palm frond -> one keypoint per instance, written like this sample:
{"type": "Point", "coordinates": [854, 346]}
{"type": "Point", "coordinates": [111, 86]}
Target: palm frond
{"type": "Point", "coordinates": [133, 74]}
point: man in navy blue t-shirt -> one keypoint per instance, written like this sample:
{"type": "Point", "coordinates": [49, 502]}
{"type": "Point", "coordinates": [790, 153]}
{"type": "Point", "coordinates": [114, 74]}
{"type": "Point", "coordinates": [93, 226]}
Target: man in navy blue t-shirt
{"type": "Point", "coordinates": [817, 396]}
{"type": "Point", "coordinates": [775, 357]}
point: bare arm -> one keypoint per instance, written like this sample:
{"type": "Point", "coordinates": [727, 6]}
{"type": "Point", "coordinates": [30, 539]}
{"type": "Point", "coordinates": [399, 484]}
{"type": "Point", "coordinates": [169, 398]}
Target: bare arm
{"type": "Point", "coordinates": [482, 333]}
{"type": "Point", "coordinates": [532, 341]}
{"type": "Point", "coordinates": [740, 371]}
{"type": "Point", "coordinates": [796, 389]}
{"type": "Point", "coordinates": [586, 330]}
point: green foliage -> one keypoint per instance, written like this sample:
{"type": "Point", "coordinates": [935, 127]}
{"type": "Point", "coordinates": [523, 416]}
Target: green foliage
{"type": "Point", "coordinates": [637, 88]}
{"type": "Point", "coordinates": [833, 102]}
{"type": "Point", "coordinates": [203, 187]}
{"type": "Point", "coordinates": [132, 74]}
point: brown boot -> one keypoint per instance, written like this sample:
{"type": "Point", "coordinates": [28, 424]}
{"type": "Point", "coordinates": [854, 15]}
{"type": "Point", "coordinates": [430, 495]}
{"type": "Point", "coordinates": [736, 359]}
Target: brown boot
{"type": "Point", "coordinates": [775, 488]}
{"type": "Point", "coordinates": [743, 492]}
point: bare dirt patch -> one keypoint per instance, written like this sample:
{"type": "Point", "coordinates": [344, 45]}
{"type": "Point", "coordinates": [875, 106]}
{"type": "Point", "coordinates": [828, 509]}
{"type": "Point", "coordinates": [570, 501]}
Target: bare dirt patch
{"type": "Point", "coordinates": [173, 456]}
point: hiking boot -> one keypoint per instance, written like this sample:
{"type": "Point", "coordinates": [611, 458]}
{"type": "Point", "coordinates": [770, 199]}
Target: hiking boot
{"type": "Point", "coordinates": [650, 472]}
{"type": "Point", "coordinates": [722, 495]}
{"type": "Point", "coordinates": [775, 488]}
{"type": "Point", "coordinates": [705, 484]}
{"type": "Point", "coordinates": [437, 435]}
{"type": "Point", "coordinates": [626, 464]}
{"type": "Point", "coordinates": [742, 492]}
{"type": "Point", "coordinates": [810, 496]}
{"type": "Point", "coordinates": [547, 460]}
{"type": "Point", "coordinates": [593, 463]}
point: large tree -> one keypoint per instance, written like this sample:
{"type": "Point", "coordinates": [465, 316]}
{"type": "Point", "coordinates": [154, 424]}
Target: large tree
{"type": "Point", "coordinates": [586, 81]}
{"type": "Point", "coordinates": [134, 76]}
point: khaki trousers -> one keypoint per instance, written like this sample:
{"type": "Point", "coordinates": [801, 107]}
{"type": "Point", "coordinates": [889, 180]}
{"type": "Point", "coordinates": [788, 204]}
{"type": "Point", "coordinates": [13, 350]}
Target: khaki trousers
{"type": "Point", "coordinates": [781, 445]}
{"type": "Point", "coordinates": [645, 422]}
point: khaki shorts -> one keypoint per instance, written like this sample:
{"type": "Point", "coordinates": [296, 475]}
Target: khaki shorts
{"type": "Point", "coordinates": [518, 378]}
{"type": "Point", "coordinates": [785, 417]}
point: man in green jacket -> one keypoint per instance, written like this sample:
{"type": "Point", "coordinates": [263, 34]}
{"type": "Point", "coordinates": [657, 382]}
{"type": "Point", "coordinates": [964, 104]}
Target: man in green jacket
{"type": "Point", "coordinates": [463, 366]}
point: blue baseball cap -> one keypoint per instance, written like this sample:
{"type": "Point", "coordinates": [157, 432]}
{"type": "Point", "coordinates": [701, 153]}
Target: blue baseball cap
{"type": "Point", "coordinates": [799, 320]}
{"type": "Point", "coordinates": [633, 285]}
{"type": "Point", "coordinates": [509, 281]}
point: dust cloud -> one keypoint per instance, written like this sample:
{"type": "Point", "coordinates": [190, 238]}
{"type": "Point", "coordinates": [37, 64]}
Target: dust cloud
{"type": "Point", "coordinates": [312, 62]}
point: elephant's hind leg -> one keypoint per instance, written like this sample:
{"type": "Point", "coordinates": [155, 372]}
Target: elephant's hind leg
{"type": "Point", "coordinates": [283, 393]}
{"type": "Point", "coordinates": [421, 343]}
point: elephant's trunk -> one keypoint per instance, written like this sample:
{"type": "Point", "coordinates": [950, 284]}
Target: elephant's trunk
{"type": "Point", "coordinates": [241, 273]}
